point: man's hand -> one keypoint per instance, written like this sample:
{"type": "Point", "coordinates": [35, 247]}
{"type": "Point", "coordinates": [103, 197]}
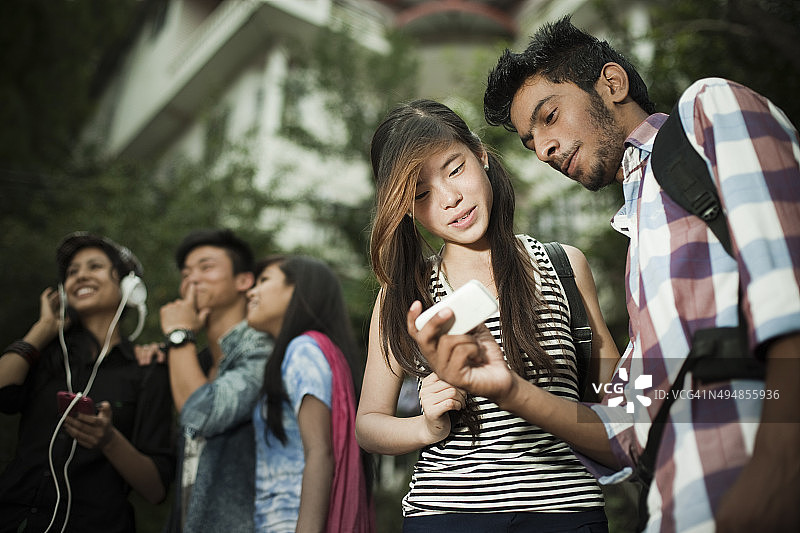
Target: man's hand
{"type": "Point", "coordinates": [765, 497]}
{"type": "Point", "coordinates": [473, 362]}
{"type": "Point", "coordinates": [149, 353]}
{"type": "Point", "coordinates": [183, 313]}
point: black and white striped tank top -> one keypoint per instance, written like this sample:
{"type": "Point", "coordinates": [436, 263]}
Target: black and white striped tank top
{"type": "Point", "coordinates": [512, 466]}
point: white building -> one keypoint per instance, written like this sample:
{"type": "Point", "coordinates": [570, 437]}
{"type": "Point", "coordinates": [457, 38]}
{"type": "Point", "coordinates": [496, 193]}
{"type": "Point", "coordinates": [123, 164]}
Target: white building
{"type": "Point", "coordinates": [197, 60]}
{"type": "Point", "coordinates": [201, 64]}
{"type": "Point", "coordinates": [194, 66]}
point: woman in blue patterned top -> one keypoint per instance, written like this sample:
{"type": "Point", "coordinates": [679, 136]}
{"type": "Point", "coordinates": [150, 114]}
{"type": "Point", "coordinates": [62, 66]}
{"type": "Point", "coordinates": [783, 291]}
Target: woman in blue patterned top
{"type": "Point", "coordinates": [310, 472]}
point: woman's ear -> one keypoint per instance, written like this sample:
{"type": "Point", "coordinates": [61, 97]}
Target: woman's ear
{"type": "Point", "coordinates": [612, 85]}
{"type": "Point", "coordinates": [485, 159]}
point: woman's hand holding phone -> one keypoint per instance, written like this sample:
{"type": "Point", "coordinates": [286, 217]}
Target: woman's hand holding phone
{"type": "Point", "coordinates": [84, 404]}
{"type": "Point", "coordinates": [92, 431]}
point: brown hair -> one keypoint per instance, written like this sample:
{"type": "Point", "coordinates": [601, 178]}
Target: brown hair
{"type": "Point", "coordinates": [402, 260]}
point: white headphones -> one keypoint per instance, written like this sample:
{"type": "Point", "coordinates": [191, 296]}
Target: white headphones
{"type": "Point", "coordinates": [134, 294]}
{"type": "Point", "coordinates": [132, 289]}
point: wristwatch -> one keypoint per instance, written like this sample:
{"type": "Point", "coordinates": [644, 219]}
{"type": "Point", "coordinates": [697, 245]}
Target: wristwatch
{"type": "Point", "coordinates": [179, 337]}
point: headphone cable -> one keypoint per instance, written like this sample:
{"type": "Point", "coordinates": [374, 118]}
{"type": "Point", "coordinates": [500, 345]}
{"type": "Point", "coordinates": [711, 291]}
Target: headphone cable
{"type": "Point", "coordinates": [77, 397]}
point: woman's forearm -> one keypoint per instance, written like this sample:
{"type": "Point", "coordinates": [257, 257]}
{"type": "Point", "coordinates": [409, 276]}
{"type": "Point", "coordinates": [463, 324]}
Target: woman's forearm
{"type": "Point", "coordinates": [136, 468]}
{"type": "Point", "coordinates": [391, 435]}
{"type": "Point", "coordinates": [14, 367]}
{"type": "Point", "coordinates": [315, 492]}
{"type": "Point", "coordinates": [572, 422]}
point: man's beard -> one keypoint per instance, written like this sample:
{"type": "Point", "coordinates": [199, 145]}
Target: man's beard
{"type": "Point", "coordinates": [608, 156]}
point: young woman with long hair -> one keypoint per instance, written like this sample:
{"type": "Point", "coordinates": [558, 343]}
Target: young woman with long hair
{"type": "Point", "coordinates": [479, 468]}
{"type": "Point", "coordinates": [310, 473]}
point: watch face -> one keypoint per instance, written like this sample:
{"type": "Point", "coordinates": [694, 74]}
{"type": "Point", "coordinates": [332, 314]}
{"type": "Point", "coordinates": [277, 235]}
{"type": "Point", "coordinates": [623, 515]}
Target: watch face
{"type": "Point", "coordinates": [178, 336]}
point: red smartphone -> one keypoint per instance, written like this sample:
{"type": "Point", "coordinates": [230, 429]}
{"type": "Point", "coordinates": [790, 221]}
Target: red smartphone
{"type": "Point", "coordinates": [85, 405]}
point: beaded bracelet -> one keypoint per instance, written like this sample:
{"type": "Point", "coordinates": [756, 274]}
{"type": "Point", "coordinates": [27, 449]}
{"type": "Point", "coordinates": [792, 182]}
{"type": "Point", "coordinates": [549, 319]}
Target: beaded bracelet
{"type": "Point", "coordinates": [26, 350]}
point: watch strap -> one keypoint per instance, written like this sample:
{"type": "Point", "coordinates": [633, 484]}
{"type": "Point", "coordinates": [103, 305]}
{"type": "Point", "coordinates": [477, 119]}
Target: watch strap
{"type": "Point", "coordinates": [189, 336]}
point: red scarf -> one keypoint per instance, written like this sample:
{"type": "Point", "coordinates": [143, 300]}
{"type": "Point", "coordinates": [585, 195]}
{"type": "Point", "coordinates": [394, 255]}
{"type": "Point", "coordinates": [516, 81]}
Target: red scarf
{"type": "Point", "coordinates": [349, 509]}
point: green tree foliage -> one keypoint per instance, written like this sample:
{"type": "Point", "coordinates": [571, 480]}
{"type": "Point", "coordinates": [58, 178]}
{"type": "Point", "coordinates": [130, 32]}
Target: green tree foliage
{"type": "Point", "coordinates": [134, 206]}
{"type": "Point", "coordinates": [358, 86]}
{"type": "Point", "coordinates": [753, 42]}
{"type": "Point", "coordinates": [49, 55]}
{"type": "Point", "coordinates": [361, 85]}
{"type": "Point", "coordinates": [50, 52]}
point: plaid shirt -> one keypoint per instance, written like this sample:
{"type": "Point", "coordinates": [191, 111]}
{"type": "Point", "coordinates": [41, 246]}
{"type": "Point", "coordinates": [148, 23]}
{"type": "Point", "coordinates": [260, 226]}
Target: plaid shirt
{"type": "Point", "coordinates": [680, 279]}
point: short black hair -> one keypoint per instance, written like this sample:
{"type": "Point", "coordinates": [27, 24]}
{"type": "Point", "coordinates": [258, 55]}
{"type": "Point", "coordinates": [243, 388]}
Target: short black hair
{"type": "Point", "coordinates": [561, 53]}
{"type": "Point", "coordinates": [237, 249]}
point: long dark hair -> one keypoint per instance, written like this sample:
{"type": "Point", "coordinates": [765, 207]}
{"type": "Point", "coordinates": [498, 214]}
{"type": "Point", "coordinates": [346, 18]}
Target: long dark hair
{"type": "Point", "coordinates": [400, 257]}
{"type": "Point", "coordinates": [317, 304]}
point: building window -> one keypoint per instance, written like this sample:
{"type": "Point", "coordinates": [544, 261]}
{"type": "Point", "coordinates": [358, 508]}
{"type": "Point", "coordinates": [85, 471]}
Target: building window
{"type": "Point", "coordinates": [216, 133]}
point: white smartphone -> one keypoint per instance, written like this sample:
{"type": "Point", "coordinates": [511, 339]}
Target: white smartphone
{"type": "Point", "coordinates": [472, 304]}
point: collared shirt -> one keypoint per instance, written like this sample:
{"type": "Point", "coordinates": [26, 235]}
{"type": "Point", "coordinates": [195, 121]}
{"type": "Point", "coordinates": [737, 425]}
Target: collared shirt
{"type": "Point", "coordinates": [220, 412]}
{"type": "Point", "coordinates": [141, 406]}
{"type": "Point", "coordinates": [680, 279]}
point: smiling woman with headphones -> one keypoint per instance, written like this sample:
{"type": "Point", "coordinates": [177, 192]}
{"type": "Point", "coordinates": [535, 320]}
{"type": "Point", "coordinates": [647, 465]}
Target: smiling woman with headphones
{"type": "Point", "coordinates": [94, 424]}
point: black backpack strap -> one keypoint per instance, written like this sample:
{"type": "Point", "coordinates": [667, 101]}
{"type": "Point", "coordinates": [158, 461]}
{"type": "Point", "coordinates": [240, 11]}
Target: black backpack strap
{"type": "Point", "coordinates": [717, 354]}
{"type": "Point", "coordinates": [683, 174]}
{"type": "Point", "coordinates": [579, 320]}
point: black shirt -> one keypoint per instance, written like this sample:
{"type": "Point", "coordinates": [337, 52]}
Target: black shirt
{"type": "Point", "coordinates": [141, 405]}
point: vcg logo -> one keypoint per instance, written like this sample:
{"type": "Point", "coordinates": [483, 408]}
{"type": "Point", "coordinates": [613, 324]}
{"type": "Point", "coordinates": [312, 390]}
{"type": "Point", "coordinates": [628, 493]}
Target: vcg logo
{"type": "Point", "coordinates": [645, 381]}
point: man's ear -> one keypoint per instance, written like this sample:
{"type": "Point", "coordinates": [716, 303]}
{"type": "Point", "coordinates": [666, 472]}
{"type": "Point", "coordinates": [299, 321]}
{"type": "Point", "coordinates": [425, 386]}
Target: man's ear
{"type": "Point", "coordinates": [612, 85]}
{"type": "Point", "coordinates": [244, 281]}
